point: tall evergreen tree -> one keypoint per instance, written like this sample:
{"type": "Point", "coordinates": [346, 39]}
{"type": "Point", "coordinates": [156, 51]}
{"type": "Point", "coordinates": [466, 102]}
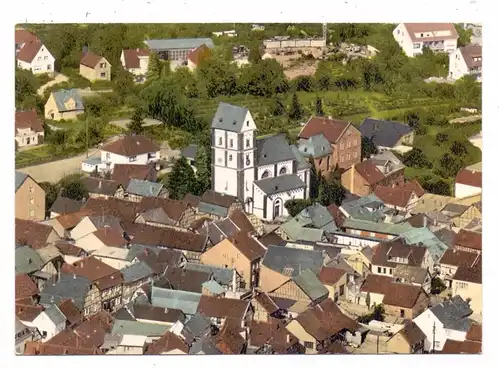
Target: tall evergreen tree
{"type": "Point", "coordinates": [296, 111]}
{"type": "Point", "coordinates": [330, 192]}
{"type": "Point", "coordinates": [314, 180]}
{"type": "Point", "coordinates": [137, 122]}
{"type": "Point", "coordinates": [254, 54]}
{"type": "Point", "coordinates": [279, 107]}
{"type": "Point", "coordinates": [181, 180]}
{"type": "Point", "coordinates": [319, 107]}
{"type": "Point", "coordinates": [203, 170]}
{"type": "Point", "coordinates": [154, 67]}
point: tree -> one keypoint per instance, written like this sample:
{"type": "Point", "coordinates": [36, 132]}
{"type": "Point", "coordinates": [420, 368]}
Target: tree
{"type": "Point", "coordinates": [368, 147]}
{"type": "Point", "coordinates": [51, 193]}
{"type": "Point", "coordinates": [296, 110]}
{"type": "Point", "coordinates": [449, 165]}
{"type": "Point", "coordinates": [438, 187]}
{"type": "Point", "coordinates": [437, 286]}
{"type": "Point", "coordinates": [314, 180]}
{"type": "Point", "coordinates": [155, 68]}
{"type": "Point", "coordinates": [319, 107]}
{"type": "Point", "coordinates": [416, 158]}
{"type": "Point", "coordinates": [266, 78]}
{"type": "Point", "coordinates": [330, 192]}
{"type": "Point", "coordinates": [304, 83]}
{"type": "Point", "coordinates": [254, 53]}
{"type": "Point", "coordinates": [464, 35]}
{"type": "Point", "coordinates": [203, 170]}
{"type": "Point", "coordinates": [218, 77]}
{"type": "Point", "coordinates": [295, 206]}
{"type": "Point", "coordinates": [75, 190]}
{"type": "Point", "coordinates": [181, 180]}
{"type": "Point", "coordinates": [278, 108]}
{"type": "Point", "coordinates": [441, 138]}
{"type": "Point", "coordinates": [458, 148]}
{"type": "Point", "coordinates": [136, 124]}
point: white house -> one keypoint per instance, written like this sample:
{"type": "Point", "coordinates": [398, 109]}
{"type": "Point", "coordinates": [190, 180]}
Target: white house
{"type": "Point", "coordinates": [49, 322]}
{"type": "Point", "coordinates": [263, 173]}
{"type": "Point", "coordinates": [448, 320]}
{"type": "Point", "coordinates": [438, 37]}
{"type": "Point", "coordinates": [31, 53]}
{"type": "Point", "coordinates": [467, 60]}
{"type": "Point", "coordinates": [469, 181]}
{"type": "Point", "coordinates": [130, 149]}
{"type": "Point", "coordinates": [135, 61]}
{"type": "Point", "coordinates": [29, 128]}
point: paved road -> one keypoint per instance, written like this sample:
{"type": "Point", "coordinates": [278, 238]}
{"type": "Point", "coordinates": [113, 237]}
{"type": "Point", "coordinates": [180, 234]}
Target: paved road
{"type": "Point", "coordinates": [122, 123]}
{"type": "Point", "coordinates": [58, 79]}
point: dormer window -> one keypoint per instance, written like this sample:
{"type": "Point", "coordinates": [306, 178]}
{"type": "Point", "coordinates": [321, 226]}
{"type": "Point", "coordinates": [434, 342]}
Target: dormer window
{"type": "Point", "coordinates": [248, 123]}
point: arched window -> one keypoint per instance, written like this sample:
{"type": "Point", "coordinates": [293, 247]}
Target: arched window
{"type": "Point", "coordinates": [283, 170]}
{"type": "Point", "coordinates": [265, 174]}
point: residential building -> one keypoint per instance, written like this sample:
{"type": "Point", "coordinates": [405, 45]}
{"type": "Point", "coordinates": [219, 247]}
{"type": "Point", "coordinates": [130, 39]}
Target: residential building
{"type": "Point", "coordinates": [123, 173]}
{"type": "Point", "coordinates": [471, 345]}
{"type": "Point", "coordinates": [454, 258]}
{"type": "Point", "coordinates": [388, 135]}
{"type": "Point", "coordinates": [468, 284]}
{"type": "Point", "coordinates": [33, 234]}
{"type": "Point", "coordinates": [64, 205]}
{"type": "Point", "coordinates": [321, 150]}
{"type": "Point", "coordinates": [169, 343]}
{"type": "Point", "coordinates": [414, 37]}
{"type": "Point", "coordinates": [23, 335]}
{"type": "Point", "coordinates": [98, 187]}
{"type": "Point", "coordinates": [361, 260]}
{"type": "Point", "coordinates": [29, 198]}
{"type": "Point", "coordinates": [129, 149]}
{"type": "Point", "coordinates": [95, 67]}
{"type": "Point", "coordinates": [225, 310]}
{"type": "Point", "coordinates": [335, 280]}
{"type": "Point", "coordinates": [214, 205]}
{"type": "Point", "coordinates": [29, 129]}
{"type": "Point", "coordinates": [375, 230]}
{"type": "Point", "coordinates": [466, 60]}
{"type": "Point", "coordinates": [136, 61]}
{"type": "Point", "coordinates": [397, 197]}
{"type": "Point", "coordinates": [31, 53]}
{"type": "Point", "coordinates": [64, 105]}
{"type": "Point", "coordinates": [468, 181]}
{"type": "Point", "coordinates": [262, 173]}
{"type": "Point", "coordinates": [469, 241]}
{"type": "Point", "coordinates": [311, 224]}
{"type": "Point", "coordinates": [272, 338]}
{"type": "Point", "coordinates": [344, 138]}
{"type": "Point", "coordinates": [409, 340]}
{"type": "Point", "coordinates": [26, 290]}
{"type": "Point", "coordinates": [177, 49]}
{"type": "Point", "coordinates": [198, 55]}
{"type": "Point", "coordinates": [448, 320]}
{"type": "Point", "coordinates": [190, 152]}
{"type": "Point", "coordinates": [49, 322]}
{"type": "Point", "coordinates": [163, 212]}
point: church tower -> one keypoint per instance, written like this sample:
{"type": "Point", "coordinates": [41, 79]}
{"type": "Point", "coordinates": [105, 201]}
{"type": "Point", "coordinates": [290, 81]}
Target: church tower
{"type": "Point", "coordinates": [233, 151]}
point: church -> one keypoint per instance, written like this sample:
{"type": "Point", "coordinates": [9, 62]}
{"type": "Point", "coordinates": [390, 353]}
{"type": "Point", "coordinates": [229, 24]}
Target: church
{"type": "Point", "coordinates": [263, 173]}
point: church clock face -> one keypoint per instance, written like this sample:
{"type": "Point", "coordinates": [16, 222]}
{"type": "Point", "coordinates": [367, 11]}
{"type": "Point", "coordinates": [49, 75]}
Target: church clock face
{"type": "Point", "coordinates": [248, 160]}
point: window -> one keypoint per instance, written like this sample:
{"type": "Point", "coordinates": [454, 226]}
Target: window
{"type": "Point", "coordinates": [103, 65]}
{"type": "Point", "coordinates": [379, 270]}
{"type": "Point", "coordinates": [348, 156]}
{"type": "Point", "coordinates": [132, 158]}
{"type": "Point", "coordinates": [32, 214]}
{"type": "Point", "coordinates": [402, 313]}
{"type": "Point", "coordinates": [355, 154]}
{"type": "Point", "coordinates": [283, 170]}
{"type": "Point", "coordinates": [32, 189]}
{"type": "Point", "coordinates": [390, 271]}
{"type": "Point", "coordinates": [44, 334]}
{"type": "Point", "coordinates": [220, 141]}
{"type": "Point", "coordinates": [231, 142]}
{"type": "Point", "coordinates": [248, 123]}
{"type": "Point", "coordinates": [416, 46]}
{"type": "Point", "coordinates": [265, 174]}
{"type": "Point", "coordinates": [348, 144]}
{"type": "Point", "coordinates": [248, 142]}
{"type": "Point", "coordinates": [385, 270]}
{"type": "Point", "coordinates": [230, 157]}
{"type": "Point", "coordinates": [108, 156]}
{"type": "Point", "coordinates": [309, 345]}
{"type": "Point", "coordinates": [355, 143]}
{"type": "Point", "coordinates": [39, 58]}
{"type": "Point", "coordinates": [341, 146]}
{"type": "Point", "coordinates": [103, 75]}
{"type": "Point", "coordinates": [399, 31]}
{"type": "Point", "coordinates": [32, 201]}
{"type": "Point", "coordinates": [341, 158]}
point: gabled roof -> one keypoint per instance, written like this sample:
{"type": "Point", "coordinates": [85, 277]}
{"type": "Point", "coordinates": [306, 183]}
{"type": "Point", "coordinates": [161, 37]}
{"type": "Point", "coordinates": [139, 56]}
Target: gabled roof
{"type": "Point", "coordinates": [199, 54]}
{"type": "Point", "coordinates": [384, 133]}
{"type": "Point", "coordinates": [454, 314]}
{"type": "Point", "coordinates": [131, 145]}
{"type": "Point", "coordinates": [435, 30]}
{"type": "Point", "coordinates": [317, 146]}
{"type": "Point", "coordinates": [369, 171]}
{"type": "Point", "coordinates": [69, 286]}
{"type": "Point", "coordinates": [292, 261]}
{"type": "Point", "coordinates": [470, 239]}
{"type": "Point", "coordinates": [394, 196]}
{"type": "Point", "coordinates": [185, 279]}
{"type": "Point", "coordinates": [282, 183]}
{"type": "Point", "coordinates": [173, 209]}
{"type": "Point", "coordinates": [411, 333]}
{"type": "Point", "coordinates": [23, 35]}
{"type": "Point", "coordinates": [131, 57]}
{"type": "Point", "coordinates": [144, 188]}
{"type": "Point", "coordinates": [388, 228]}
{"type": "Point", "coordinates": [413, 185]}
{"type": "Point", "coordinates": [20, 178]}
{"type": "Point", "coordinates": [29, 51]}
{"type": "Point", "coordinates": [473, 55]}
{"type": "Point", "coordinates": [472, 275]}
{"type": "Point", "coordinates": [25, 287]}
{"type": "Point", "coordinates": [89, 59]}
{"type": "Point", "coordinates": [100, 186]}
{"type": "Point", "coordinates": [64, 205]}
{"type": "Point", "coordinates": [471, 176]}
{"type": "Point", "coordinates": [32, 233]}
{"type": "Point", "coordinates": [229, 117]}
{"type": "Point", "coordinates": [248, 246]}
{"type": "Point", "coordinates": [123, 173]}
{"type": "Point", "coordinates": [309, 283]}
{"type": "Point", "coordinates": [55, 315]}
{"type": "Point", "coordinates": [475, 333]}
{"type": "Point", "coordinates": [273, 149]}
{"type": "Point", "coordinates": [136, 272]}
{"type": "Point", "coordinates": [331, 275]}
{"type": "Point", "coordinates": [27, 260]}
{"type": "Point", "coordinates": [178, 43]}
{"type": "Point", "coordinates": [70, 311]}
{"type": "Point", "coordinates": [29, 119]}
{"type": "Point", "coordinates": [185, 301]}
{"type": "Point", "coordinates": [395, 294]}
{"type": "Point", "coordinates": [332, 129]}
{"type": "Point", "coordinates": [461, 347]}
{"type": "Point", "coordinates": [223, 276]}
{"type": "Point", "coordinates": [125, 327]}
{"type": "Point", "coordinates": [61, 97]}
{"type": "Point", "coordinates": [459, 258]}
{"type": "Point", "coordinates": [100, 273]}
{"type": "Point", "coordinates": [168, 342]}
{"type": "Point", "coordinates": [214, 307]}
{"type": "Point", "coordinates": [424, 237]}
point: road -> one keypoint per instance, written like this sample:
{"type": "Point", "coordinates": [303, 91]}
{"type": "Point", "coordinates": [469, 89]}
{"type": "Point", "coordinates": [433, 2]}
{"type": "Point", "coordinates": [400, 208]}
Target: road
{"type": "Point", "coordinates": [59, 78]}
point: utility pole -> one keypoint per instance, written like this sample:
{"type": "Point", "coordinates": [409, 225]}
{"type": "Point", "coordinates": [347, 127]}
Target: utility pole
{"type": "Point", "coordinates": [87, 136]}
{"type": "Point", "coordinates": [433, 337]}
{"type": "Point", "coordinates": [378, 340]}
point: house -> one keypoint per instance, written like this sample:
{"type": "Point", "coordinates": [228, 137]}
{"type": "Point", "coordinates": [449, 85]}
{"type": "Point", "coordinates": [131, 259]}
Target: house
{"type": "Point", "coordinates": [135, 61]}
{"type": "Point", "coordinates": [454, 258]}
{"type": "Point", "coordinates": [265, 309]}
{"type": "Point", "coordinates": [185, 279]}
{"type": "Point", "coordinates": [321, 325]}
{"type": "Point", "coordinates": [71, 312]}
{"type": "Point", "coordinates": [31, 53]}
{"type": "Point", "coordinates": [26, 290]}
{"type": "Point", "coordinates": [314, 217]}
{"type": "Point", "coordinates": [134, 276]}
{"type": "Point", "coordinates": [98, 187]}
{"type": "Point", "coordinates": [334, 279]}
{"type": "Point", "coordinates": [468, 181]}
{"type": "Point", "coordinates": [64, 205]}
{"type": "Point", "coordinates": [177, 49]}
{"type": "Point", "coordinates": [438, 37]}
{"type": "Point", "coordinates": [162, 212]}
{"type": "Point", "coordinates": [424, 237]}
{"type": "Point", "coordinates": [468, 241]}
{"type": "Point", "coordinates": [34, 234]}
{"type": "Point", "coordinates": [408, 340]}
{"type": "Point", "coordinates": [30, 129]}
{"type": "Point", "coordinates": [413, 185]}
{"type": "Point", "coordinates": [29, 198]}
{"type": "Point", "coordinates": [129, 149]}
{"type": "Point", "coordinates": [64, 224]}
{"type": "Point", "coordinates": [114, 256]}
{"type": "Point", "coordinates": [49, 322]}
{"type": "Point", "coordinates": [242, 252]}
{"type": "Point", "coordinates": [27, 261]}
{"type": "Point", "coordinates": [262, 173]}
{"type": "Point", "coordinates": [64, 105]}
{"type": "Point", "coordinates": [387, 135]}
{"type": "Point", "coordinates": [229, 279]}
{"type": "Point", "coordinates": [399, 299]}
{"type": "Point", "coordinates": [471, 345]}
{"type": "Point", "coordinates": [95, 232]}
{"type": "Point", "coordinates": [361, 260]}
{"type": "Point", "coordinates": [466, 60]}
{"type": "Point", "coordinates": [272, 338]}
{"type": "Point", "coordinates": [448, 320]}
{"type": "Point", "coordinates": [368, 207]}
{"type": "Point", "coordinates": [344, 138]}
{"type": "Point", "coordinates": [23, 335]}
{"type": "Point", "coordinates": [473, 213]}
{"type": "Point", "coordinates": [37, 348]}
{"type": "Point", "coordinates": [224, 310]}
{"type": "Point", "coordinates": [123, 173]}
{"type": "Point", "coordinates": [215, 205]}
{"type": "Point", "coordinates": [321, 151]}
{"type": "Point", "coordinates": [138, 189]}
{"type": "Point", "coordinates": [383, 169]}
{"type": "Point", "coordinates": [169, 343]}
{"type": "Point", "coordinates": [95, 67]}
{"type": "Point", "coordinates": [468, 284]}
{"type": "Point", "coordinates": [375, 230]}
{"type": "Point", "coordinates": [396, 197]}
{"type": "Point", "coordinates": [113, 210]}
{"type": "Point", "coordinates": [198, 55]}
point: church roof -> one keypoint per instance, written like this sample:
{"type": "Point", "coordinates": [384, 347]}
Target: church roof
{"type": "Point", "coordinates": [229, 117]}
{"type": "Point", "coordinates": [273, 149]}
{"type": "Point", "coordinates": [283, 183]}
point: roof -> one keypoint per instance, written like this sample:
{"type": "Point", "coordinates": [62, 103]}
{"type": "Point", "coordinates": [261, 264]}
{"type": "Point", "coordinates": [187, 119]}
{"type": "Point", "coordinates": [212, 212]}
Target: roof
{"type": "Point", "coordinates": [214, 307]}
{"type": "Point", "coordinates": [475, 333]}
{"type": "Point", "coordinates": [168, 342]}
{"type": "Point", "coordinates": [309, 283]}
{"type": "Point", "coordinates": [412, 333]}
{"type": "Point", "coordinates": [61, 97]}
{"type": "Point", "coordinates": [136, 272]}
{"type": "Point", "coordinates": [331, 275]}
{"type": "Point", "coordinates": [332, 129]}
{"type": "Point", "coordinates": [144, 188]}
{"type": "Point", "coordinates": [273, 149]}
{"type": "Point", "coordinates": [368, 207]}
{"type": "Point", "coordinates": [113, 238]}
{"type": "Point", "coordinates": [241, 220]}
{"type": "Point", "coordinates": [384, 133]}
{"type": "Point", "coordinates": [99, 207]}
{"type": "Point", "coordinates": [27, 313]}
{"type": "Point", "coordinates": [20, 178]}
{"type": "Point", "coordinates": [131, 145]}
{"type": "Point", "coordinates": [173, 209]}
{"type": "Point", "coordinates": [316, 146]}
{"type": "Point", "coordinates": [292, 261]}
{"type": "Point", "coordinates": [472, 275]}
{"type": "Point", "coordinates": [461, 347]}
{"type": "Point", "coordinates": [248, 246]}
{"type": "Point", "coordinates": [89, 59]}
{"type": "Point", "coordinates": [472, 54]}
{"type": "Point", "coordinates": [131, 57]}
{"type": "Point", "coordinates": [190, 152]}
{"type": "Point", "coordinates": [29, 51]}
{"type": "Point", "coordinates": [100, 273]}
{"type": "Point", "coordinates": [64, 205]}
{"type": "Point", "coordinates": [186, 280]}
{"type": "Point", "coordinates": [55, 315]}
{"type": "Point", "coordinates": [394, 196]}
{"type": "Point", "coordinates": [302, 162]}
{"type": "Point", "coordinates": [228, 340]}
{"type": "Point", "coordinates": [470, 239]}
{"type": "Point", "coordinates": [459, 258]}
{"type": "Point", "coordinates": [38, 348]}
{"type": "Point", "coordinates": [25, 287]}
{"type": "Point", "coordinates": [100, 186]}
{"type": "Point", "coordinates": [223, 276]}
{"type": "Point", "coordinates": [49, 253]}
{"type": "Point", "coordinates": [196, 327]}
{"type": "Point", "coordinates": [68, 286]}
{"type": "Point", "coordinates": [266, 302]}
{"type": "Point", "coordinates": [70, 311]}
{"type": "Point", "coordinates": [23, 35]}
{"type": "Point", "coordinates": [317, 216]}
{"type": "Point", "coordinates": [435, 30]}
{"type": "Point", "coordinates": [29, 119]}
{"type": "Point", "coordinates": [282, 183]}
{"type": "Point", "coordinates": [424, 237]}
{"type": "Point", "coordinates": [199, 54]}
{"type": "Point", "coordinates": [385, 251]}
{"type": "Point", "coordinates": [369, 171]}
{"type": "Point", "coordinates": [270, 239]}
{"type": "Point", "coordinates": [272, 332]}
{"type": "Point", "coordinates": [204, 346]}
{"type": "Point", "coordinates": [185, 301]}
{"type": "Point", "coordinates": [395, 294]}
{"type": "Point", "coordinates": [446, 236]}
{"type": "Point", "coordinates": [32, 233]}
{"type": "Point", "coordinates": [138, 328]}
{"type": "Point", "coordinates": [453, 314]}
{"type": "Point", "coordinates": [388, 228]}
{"type": "Point", "coordinates": [325, 320]}
{"type": "Point", "coordinates": [470, 176]}
{"type": "Point", "coordinates": [27, 260]}
{"type": "Point", "coordinates": [213, 287]}
{"type": "Point", "coordinates": [411, 274]}
{"type": "Point", "coordinates": [123, 173]}
{"type": "Point", "coordinates": [413, 185]}
{"type": "Point", "coordinates": [229, 117]}
{"type": "Point", "coordinates": [216, 198]}
{"type": "Point", "coordinates": [178, 43]}
{"type": "Point", "coordinates": [431, 202]}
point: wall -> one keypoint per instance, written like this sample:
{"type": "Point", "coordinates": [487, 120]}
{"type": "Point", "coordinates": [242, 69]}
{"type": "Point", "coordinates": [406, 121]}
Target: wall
{"type": "Point", "coordinates": [44, 324]}
{"type": "Point", "coordinates": [427, 321]}
{"type": "Point", "coordinates": [471, 290]}
{"type": "Point", "coordinates": [457, 68]}
{"type": "Point", "coordinates": [119, 159]}
{"type": "Point", "coordinates": [298, 331]}
{"type": "Point", "coordinates": [347, 150]}
{"type": "Point", "coordinates": [51, 109]}
{"type": "Point", "coordinates": [270, 280]}
{"type": "Point", "coordinates": [462, 190]}
{"type": "Point", "coordinates": [354, 241]}
{"type": "Point", "coordinates": [27, 137]}
{"type": "Point", "coordinates": [335, 288]}
{"type": "Point", "coordinates": [93, 74]}
{"type": "Point", "coordinates": [43, 62]}
{"type": "Point", "coordinates": [30, 201]}
{"type": "Point", "coordinates": [82, 229]}
{"type": "Point", "coordinates": [290, 290]}
{"type": "Point", "coordinates": [403, 39]}
{"type": "Point", "coordinates": [398, 344]}
{"type": "Point", "coordinates": [464, 219]}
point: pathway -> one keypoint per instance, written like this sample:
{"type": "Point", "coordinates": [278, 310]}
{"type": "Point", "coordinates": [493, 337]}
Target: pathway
{"type": "Point", "coordinates": [122, 123]}
{"type": "Point", "coordinates": [59, 78]}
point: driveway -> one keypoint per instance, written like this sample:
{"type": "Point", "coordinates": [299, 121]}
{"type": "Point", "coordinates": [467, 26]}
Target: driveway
{"type": "Point", "coordinates": [59, 78]}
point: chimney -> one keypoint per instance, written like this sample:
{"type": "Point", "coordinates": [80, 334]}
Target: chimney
{"type": "Point", "coordinates": [425, 221]}
{"type": "Point", "coordinates": [234, 280]}
{"type": "Point", "coordinates": [100, 185]}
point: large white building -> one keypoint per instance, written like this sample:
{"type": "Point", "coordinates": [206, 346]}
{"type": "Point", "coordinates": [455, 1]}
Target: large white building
{"type": "Point", "coordinates": [31, 53]}
{"type": "Point", "coordinates": [467, 60]}
{"type": "Point", "coordinates": [263, 173]}
{"type": "Point", "coordinates": [438, 37]}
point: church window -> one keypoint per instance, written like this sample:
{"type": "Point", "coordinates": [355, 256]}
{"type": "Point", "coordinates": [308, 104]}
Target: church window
{"type": "Point", "coordinates": [248, 160]}
{"type": "Point", "coordinates": [265, 174]}
{"type": "Point", "coordinates": [248, 123]}
{"type": "Point", "coordinates": [248, 142]}
{"type": "Point", "coordinates": [220, 141]}
{"type": "Point", "coordinates": [230, 157]}
{"type": "Point", "coordinates": [231, 143]}
{"type": "Point", "coordinates": [283, 170]}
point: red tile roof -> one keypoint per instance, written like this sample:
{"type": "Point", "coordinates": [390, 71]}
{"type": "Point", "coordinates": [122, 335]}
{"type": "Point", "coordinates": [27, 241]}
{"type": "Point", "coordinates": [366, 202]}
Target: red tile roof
{"type": "Point", "coordinates": [266, 302]}
{"type": "Point", "coordinates": [413, 185]}
{"type": "Point", "coordinates": [122, 209]}
{"type": "Point", "coordinates": [469, 177]}
{"type": "Point", "coordinates": [413, 28]}
{"type": "Point", "coordinates": [103, 275]}
{"type": "Point", "coordinates": [28, 313]}
{"type": "Point", "coordinates": [38, 348]}
{"type": "Point", "coordinates": [123, 173]}
{"type": "Point", "coordinates": [332, 129]}
{"type": "Point", "coordinates": [131, 57]}
{"type": "Point", "coordinates": [331, 275]}
{"type": "Point", "coordinates": [248, 246]}
{"type": "Point", "coordinates": [272, 332]}
{"type": "Point", "coordinates": [32, 233]}
{"type": "Point", "coordinates": [469, 239]}
{"type": "Point", "coordinates": [131, 145]}
{"type": "Point", "coordinates": [337, 214]}
{"type": "Point", "coordinates": [173, 208]}
{"type": "Point", "coordinates": [458, 347]}
{"type": "Point", "coordinates": [25, 287]}
{"type": "Point", "coordinates": [241, 220]}
{"type": "Point", "coordinates": [214, 307]}
{"type": "Point", "coordinates": [475, 333]}
{"type": "Point", "coordinates": [199, 54]}
{"type": "Point", "coordinates": [229, 340]}
{"type": "Point", "coordinates": [215, 198]}
{"type": "Point", "coordinates": [472, 275]}
{"type": "Point", "coordinates": [70, 311]}
{"type": "Point", "coordinates": [412, 333]}
{"type": "Point", "coordinates": [369, 172]}
{"type": "Point", "coordinates": [471, 52]}
{"type": "Point", "coordinates": [29, 119]}
{"type": "Point", "coordinates": [23, 36]}
{"type": "Point", "coordinates": [168, 342]}
{"type": "Point", "coordinates": [29, 51]}
{"type": "Point", "coordinates": [459, 258]}
{"type": "Point", "coordinates": [111, 237]}
{"type": "Point", "coordinates": [394, 196]}
{"type": "Point", "coordinates": [90, 59]}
